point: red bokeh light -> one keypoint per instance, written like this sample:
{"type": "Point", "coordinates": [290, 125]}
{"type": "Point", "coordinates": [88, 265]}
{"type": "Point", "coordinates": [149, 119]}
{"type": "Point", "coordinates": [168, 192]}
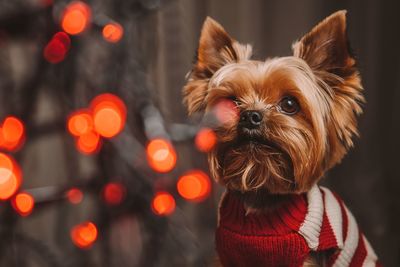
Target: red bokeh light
{"type": "Point", "coordinates": [114, 193]}
{"type": "Point", "coordinates": [63, 38]}
{"type": "Point", "coordinates": [161, 155]}
{"type": "Point", "coordinates": [163, 204]}
{"type": "Point", "coordinates": [226, 111]}
{"type": "Point", "coordinates": [84, 235]}
{"type": "Point", "coordinates": [80, 123]}
{"type": "Point", "coordinates": [13, 129]}
{"type": "Point", "coordinates": [109, 114]}
{"type": "Point", "coordinates": [55, 51]}
{"type": "Point", "coordinates": [74, 195]}
{"type": "Point", "coordinates": [113, 32]}
{"type": "Point", "coordinates": [12, 133]}
{"type": "Point", "coordinates": [10, 177]}
{"type": "Point", "coordinates": [23, 203]}
{"type": "Point", "coordinates": [205, 140]}
{"type": "Point", "coordinates": [194, 186]}
{"type": "Point", "coordinates": [88, 143]}
{"type": "Point", "coordinates": [76, 18]}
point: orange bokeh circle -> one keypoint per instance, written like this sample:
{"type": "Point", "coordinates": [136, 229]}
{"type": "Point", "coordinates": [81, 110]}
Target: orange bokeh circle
{"type": "Point", "coordinates": [113, 32]}
{"type": "Point", "coordinates": [194, 185]}
{"type": "Point", "coordinates": [109, 114]}
{"type": "Point", "coordinates": [76, 18]}
{"type": "Point", "coordinates": [163, 204]}
{"type": "Point", "coordinates": [10, 177]}
{"type": "Point", "coordinates": [205, 140]}
{"type": "Point", "coordinates": [88, 143]}
{"type": "Point", "coordinates": [84, 235]}
{"type": "Point", "coordinates": [23, 203]}
{"type": "Point", "coordinates": [80, 123]}
{"type": "Point", "coordinates": [161, 155]}
{"type": "Point", "coordinates": [74, 195]}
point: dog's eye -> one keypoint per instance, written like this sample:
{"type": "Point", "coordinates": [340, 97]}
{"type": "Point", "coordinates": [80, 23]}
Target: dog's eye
{"type": "Point", "coordinates": [289, 105]}
{"type": "Point", "coordinates": [234, 100]}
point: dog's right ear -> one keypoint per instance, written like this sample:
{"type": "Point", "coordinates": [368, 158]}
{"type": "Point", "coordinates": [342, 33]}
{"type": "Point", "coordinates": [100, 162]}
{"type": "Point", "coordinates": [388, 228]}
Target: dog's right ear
{"type": "Point", "coordinates": [216, 49]}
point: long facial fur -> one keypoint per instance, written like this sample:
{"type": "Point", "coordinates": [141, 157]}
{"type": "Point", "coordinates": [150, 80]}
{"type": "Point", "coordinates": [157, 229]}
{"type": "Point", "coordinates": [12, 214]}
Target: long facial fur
{"type": "Point", "coordinates": [289, 153]}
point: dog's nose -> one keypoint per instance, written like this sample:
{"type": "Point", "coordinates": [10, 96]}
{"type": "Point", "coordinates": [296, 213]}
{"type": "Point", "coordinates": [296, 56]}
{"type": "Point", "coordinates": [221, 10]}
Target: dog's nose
{"type": "Point", "coordinates": [250, 118]}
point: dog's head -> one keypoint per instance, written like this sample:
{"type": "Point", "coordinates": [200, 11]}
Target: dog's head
{"type": "Point", "coordinates": [292, 118]}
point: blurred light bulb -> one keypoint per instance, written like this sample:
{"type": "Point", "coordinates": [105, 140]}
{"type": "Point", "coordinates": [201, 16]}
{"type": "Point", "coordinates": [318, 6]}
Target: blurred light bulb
{"type": "Point", "coordinates": [163, 204]}
{"type": "Point", "coordinates": [109, 114]}
{"type": "Point", "coordinates": [76, 18]}
{"type": "Point", "coordinates": [84, 235]}
{"type": "Point", "coordinates": [74, 195]}
{"type": "Point", "coordinates": [80, 123]}
{"type": "Point", "coordinates": [161, 155]}
{"type": "Point", "coordinates": [12, 133]}
{"type": "Point", "coordinates": [113, 32]}
{"type": "Point", "coordinates": [114, 193]}
{"type": "Point", "coordinates": [88, 143]}
{"type": "Point", "coordinates": [23, 203]}
{"type": "Point", "coordinates": [194, 186]}
{"type": "Point", "coordinates": [205, 140]}
{"type": "Point", "coordinates": [226, 111]}
{"type": "Point", "coordinates": [10, 177]}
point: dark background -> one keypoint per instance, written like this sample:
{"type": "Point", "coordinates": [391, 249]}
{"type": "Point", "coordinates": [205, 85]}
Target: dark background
{"type": "Point", "coordinates": [147, 69]}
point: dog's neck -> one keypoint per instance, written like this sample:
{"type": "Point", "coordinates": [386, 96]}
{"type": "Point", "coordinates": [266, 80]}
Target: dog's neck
{"type": "Point", "coordinates": [262, 202]}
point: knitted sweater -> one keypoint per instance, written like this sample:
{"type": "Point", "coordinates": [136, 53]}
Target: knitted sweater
{"type": "Point", "coordinates": [317, 221]}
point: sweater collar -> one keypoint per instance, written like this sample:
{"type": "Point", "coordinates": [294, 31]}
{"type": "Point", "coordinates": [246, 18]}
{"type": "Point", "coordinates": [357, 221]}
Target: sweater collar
{"type": "Point", "coordinates": [305, 214]}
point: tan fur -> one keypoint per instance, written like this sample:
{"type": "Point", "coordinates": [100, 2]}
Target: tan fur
{"type": "Point", "coordinates": [292, 152]}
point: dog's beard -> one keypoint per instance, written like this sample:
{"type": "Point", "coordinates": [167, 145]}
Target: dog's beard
{"type": "Point", "coordinates": [253, 164]}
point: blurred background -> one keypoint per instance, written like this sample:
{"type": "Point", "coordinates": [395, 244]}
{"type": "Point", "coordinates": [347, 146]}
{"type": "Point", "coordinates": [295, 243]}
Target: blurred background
{"type": "Point", "coordinates": [99, 164]}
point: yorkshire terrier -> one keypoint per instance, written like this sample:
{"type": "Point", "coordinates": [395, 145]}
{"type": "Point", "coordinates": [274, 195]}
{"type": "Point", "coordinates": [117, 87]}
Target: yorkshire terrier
{"type": "Point", "coordinates": [292, 119]}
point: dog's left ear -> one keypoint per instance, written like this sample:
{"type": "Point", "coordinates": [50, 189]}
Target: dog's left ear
{"type": "Point", "coordinates": [326, 50]}
{"type": "Point", "coordinates": [216, 49]}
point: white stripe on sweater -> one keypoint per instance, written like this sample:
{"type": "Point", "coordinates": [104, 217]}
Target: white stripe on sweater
{"type": "Point", "coordinates": [351, 242]}
{"type": "Point", "coordinates": [311, 227]}
{"type": "Point", "coordinates": [334, 214]}
{"type": "Point", "coordinates": [371, 258]}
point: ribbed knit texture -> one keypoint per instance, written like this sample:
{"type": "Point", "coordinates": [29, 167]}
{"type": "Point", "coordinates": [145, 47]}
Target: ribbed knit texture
{"type": "Point", "coordinates": [285, 236]}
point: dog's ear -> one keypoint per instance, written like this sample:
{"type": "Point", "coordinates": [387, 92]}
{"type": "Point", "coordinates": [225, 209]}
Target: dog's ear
{"type": "Point", "coordinates": [325, 47]}
{"type": "Point", "coordinates": [326, 50]}
{"type": "Point", "coordinates": [216, 49]}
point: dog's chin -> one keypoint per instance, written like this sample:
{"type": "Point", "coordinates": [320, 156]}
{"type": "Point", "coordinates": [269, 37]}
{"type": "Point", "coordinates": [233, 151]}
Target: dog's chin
{"type": "Point", "coordinates": [251, 163]}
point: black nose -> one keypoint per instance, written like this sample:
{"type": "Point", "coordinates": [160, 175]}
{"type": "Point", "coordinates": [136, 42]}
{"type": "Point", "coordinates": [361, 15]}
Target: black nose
{"type": "Point", "coordinates": [250, 118]}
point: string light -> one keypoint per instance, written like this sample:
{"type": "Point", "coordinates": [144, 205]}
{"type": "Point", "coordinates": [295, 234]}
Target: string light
{"type": "Point", "coordinates": [113, 32]}
{"type": "Point", "coordinates": [163, 204]}
{"type": "Point", "coordinates": [74, 195]}
{"type": "Point", "coordinates": [194, 186]}
{"type": "Point", "coordinates": [23, 203]}
{"type": "Point", "coordinates": [55, 51]}
{"type": "Point", "coordinates": [205, 140]}
{"type": "Point", "coordinates": [63, 38]}
{"type": "Point", "coordinates": [88, 143]}
{"type": "Point", "coordinates": [109, 114]}
{"type": "Point", "coordinates": [76, 18]}
{"type": "Point", "coordinates": [80, 123]}
{"type": "Point", "coordinates": [114, 193]}
{"type": "Point", "coordinates": [10, 177]}
{"type": "Point", "coordinates": [84, 235]}
{"type": "Point", "coordinates": [57, 48]}
{"type": "Point", "coordinates": [161, 155]}
{"type": "Point", "coordinates": [11, 133]}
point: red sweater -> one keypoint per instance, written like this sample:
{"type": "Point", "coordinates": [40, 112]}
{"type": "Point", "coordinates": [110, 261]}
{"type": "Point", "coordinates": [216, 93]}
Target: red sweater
{"type": "Point", "coordinates": [317, 221]}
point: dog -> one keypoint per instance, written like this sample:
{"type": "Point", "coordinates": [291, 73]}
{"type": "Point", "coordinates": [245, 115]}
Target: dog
{"type": "Point", "coordinates": [290, 119]}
